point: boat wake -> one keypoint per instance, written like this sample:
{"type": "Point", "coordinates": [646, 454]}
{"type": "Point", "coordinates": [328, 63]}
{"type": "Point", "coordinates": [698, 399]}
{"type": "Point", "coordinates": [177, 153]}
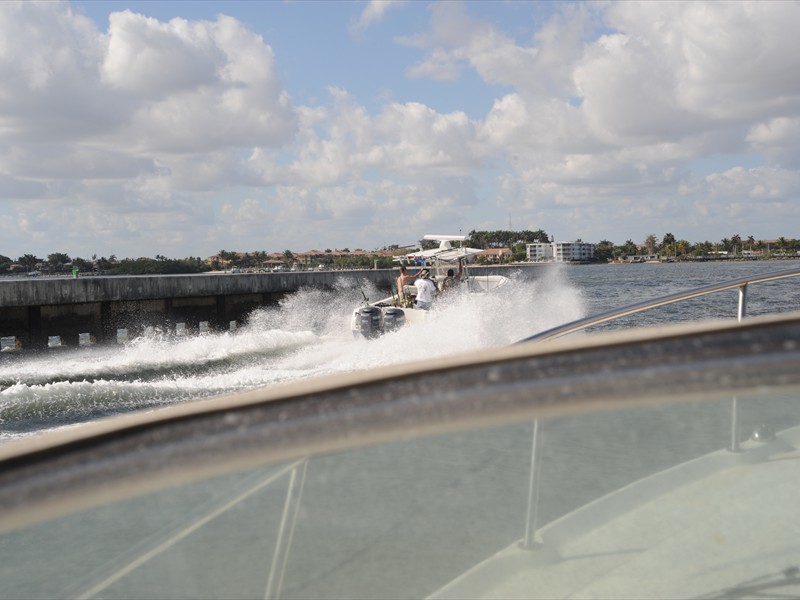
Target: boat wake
{"type": "Point", "coordinates": [306, 335]}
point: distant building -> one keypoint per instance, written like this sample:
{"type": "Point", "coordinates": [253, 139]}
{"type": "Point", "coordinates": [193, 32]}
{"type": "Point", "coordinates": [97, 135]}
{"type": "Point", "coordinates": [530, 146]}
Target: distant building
{"type": "Point", "coordinates": [539, 252]}
{"type": "Point", "coordinates": [559, 251]}
{"type": "Point", "coordinates": [496, 255]}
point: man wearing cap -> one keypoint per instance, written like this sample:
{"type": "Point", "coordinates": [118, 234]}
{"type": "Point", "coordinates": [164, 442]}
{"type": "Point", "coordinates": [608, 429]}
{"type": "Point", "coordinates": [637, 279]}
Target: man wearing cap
{"type": "Point", "coordinates": [425, 290]}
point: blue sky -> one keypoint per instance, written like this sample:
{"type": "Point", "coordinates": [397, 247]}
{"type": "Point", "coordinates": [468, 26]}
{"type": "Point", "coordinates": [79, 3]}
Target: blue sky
{"type": "Point", "coordinates": [183, 128]}
{"type": "Point", "coordinates": [318, 44]}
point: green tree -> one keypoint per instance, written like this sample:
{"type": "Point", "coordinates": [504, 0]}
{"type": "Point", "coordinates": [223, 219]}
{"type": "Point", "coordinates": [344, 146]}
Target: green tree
{"type": "Point", "coordinates": [57, 260]}
{"type": "Point", "coordinates": [651, 243]}
{"type": "Point", "coordinates": [104, 264]}
{"type": "Point", "coordinates": [84, 266]}
{"type": "Point", "coordinates": [226, 258]}
{"type": "Point", "coordinates": [668, 244]}
{"type": "Point", "coordinates": [736, 243]}
{"type": "Point", "coordinates": [702, 248]}
{"type": "Point", "coordinates": [428, 244]}
{"type": "Point", "coordinates": [604, 251]}
{"type": "Point", "coordinates": [629, 249]}
{"type": "Point", "coordinates": [259, 257]}
{"type": "Point", "coordinates": [519, 252]}
{"type": "Point", "coordinates": [29, 261]}
{"type": "Point", "coordinates": [167, 266]}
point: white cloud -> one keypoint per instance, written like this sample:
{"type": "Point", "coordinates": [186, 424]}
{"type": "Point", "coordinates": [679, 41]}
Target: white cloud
{"type": "Point", "coordinates": [456, 41]}
{"type": "Point", "coordinates": [231, 96]}
{"type": "Point", "coordinates": [162, 108]}
{"type": "Point", "coordinates": [73, 162]}
{"type": "Point", "coordinates": [344, 212]}
{"type": "Point", "coordinates": [49, 59]}
{"type": "Point", "coordinates": [406, 140]}
{"type": "Point", "coordinates": [655, 93]}
{"type": "Point", "coordinates": [763, 184]}
{"type": "Point", "coordinates": [374, 12]}
{"type": "Point", "coordinates": [414, 139]}
{"type": "Point", "coordinates": [165, 129]}
{"type": "Point", "coordinates": [440, 65]}
{"type": "Point", "coordinates": [778, 139]}
{"type": "Point", "coordinates": [170, 87]}
{"type": "Point", "coordinates": [730, 60]}
{"type": "Point", "coordinates": [152, 60]}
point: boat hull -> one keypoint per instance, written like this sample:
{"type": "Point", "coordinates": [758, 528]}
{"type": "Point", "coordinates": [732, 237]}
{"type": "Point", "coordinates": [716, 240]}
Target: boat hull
{"type": "Point", "coordinates": [392, 313]}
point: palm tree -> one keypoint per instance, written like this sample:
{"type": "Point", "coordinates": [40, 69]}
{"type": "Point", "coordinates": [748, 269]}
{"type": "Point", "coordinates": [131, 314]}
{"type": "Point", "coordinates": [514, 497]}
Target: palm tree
{"type": "Point", "coordinates": [736, 242]}
{"type": "Point", "coordinates": [29, 260]}
{"type": "Point", "coordinates": [225, 257]}
{"type": "Point", "coordinates": [667, 242]}
{"type": "Point", "coordinates": [57, 260]}
{"type": "Point", "coordinates": [650, 242]}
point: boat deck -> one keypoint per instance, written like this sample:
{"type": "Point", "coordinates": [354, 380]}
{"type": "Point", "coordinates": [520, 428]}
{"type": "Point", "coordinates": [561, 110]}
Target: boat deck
{"type": "Point", "coordinates": [724, 513]}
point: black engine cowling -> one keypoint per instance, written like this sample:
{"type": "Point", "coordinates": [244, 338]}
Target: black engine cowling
{"type": "Point", "coordinates": [393, 318]}
{"type": "Point", "coordinates": [370, 321]}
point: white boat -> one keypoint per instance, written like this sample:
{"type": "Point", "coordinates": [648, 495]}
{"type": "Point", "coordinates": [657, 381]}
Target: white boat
{"type": "Point", "coordinates": [642, 463]}
{"type": "Point", "coordinates": [373, 319]}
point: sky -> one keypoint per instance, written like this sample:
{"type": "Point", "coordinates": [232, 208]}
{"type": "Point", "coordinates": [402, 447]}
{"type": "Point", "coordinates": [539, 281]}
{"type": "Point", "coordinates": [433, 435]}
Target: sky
{"type": "Point", "coordinates": [133, 128]}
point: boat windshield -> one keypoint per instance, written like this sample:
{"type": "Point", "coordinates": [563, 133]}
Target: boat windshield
{"type": "Point", "coordinates": [658, 463]}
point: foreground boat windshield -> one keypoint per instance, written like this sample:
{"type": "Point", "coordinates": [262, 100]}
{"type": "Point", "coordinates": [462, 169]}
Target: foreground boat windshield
{"type": "Point", "coordinates": [596, 467]}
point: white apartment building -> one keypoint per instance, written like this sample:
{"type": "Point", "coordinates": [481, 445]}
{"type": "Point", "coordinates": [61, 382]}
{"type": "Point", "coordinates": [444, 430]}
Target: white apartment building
{"type": "Point", "coordinates": [559, 251]}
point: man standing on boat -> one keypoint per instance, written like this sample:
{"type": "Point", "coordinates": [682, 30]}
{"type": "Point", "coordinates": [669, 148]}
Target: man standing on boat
{"type": "Point", "coordinates": [425, 290]}
{"type": "Point", "coordinates": [450, 282]}
{"type": "Point", "coordinates": [403, 280]}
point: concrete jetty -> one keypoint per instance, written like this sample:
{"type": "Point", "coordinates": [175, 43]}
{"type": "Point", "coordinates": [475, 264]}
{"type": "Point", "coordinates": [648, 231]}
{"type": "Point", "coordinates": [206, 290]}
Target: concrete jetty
{"type": "Point", "coordinates": [108, 309]}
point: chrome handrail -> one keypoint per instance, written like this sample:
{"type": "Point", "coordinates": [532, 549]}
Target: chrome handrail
{"type": "Point", "coordinates": [581, 324]}
{"type": "Point", "coordinates": [631, 309]}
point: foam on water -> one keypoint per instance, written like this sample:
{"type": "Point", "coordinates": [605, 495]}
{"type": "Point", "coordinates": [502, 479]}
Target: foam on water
{"type": "Point", "coordinates": [307, 335]}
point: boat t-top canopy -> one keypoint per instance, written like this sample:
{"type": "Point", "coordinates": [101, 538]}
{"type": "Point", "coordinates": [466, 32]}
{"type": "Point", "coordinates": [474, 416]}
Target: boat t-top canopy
{"type": "Point", "coordinates": [445, 252]}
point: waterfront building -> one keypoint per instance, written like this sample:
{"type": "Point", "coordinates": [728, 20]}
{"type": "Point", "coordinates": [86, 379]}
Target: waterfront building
{"type": "Point", "coordinates": [496, 255]}
{"type": "Point", "coordinates": [559, 251]}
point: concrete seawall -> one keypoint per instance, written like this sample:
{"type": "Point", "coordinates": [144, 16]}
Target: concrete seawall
{"type": "Point", "coordinates": [96, 308]}
{"type": "Point", "coordinates": [100, 309]}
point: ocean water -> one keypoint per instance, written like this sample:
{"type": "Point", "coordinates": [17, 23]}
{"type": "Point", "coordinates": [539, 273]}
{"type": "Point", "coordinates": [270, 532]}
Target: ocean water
{"type": "Point", "coordinates": [308, 335]}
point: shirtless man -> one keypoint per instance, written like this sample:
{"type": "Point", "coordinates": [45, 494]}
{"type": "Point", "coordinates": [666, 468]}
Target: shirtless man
{"type": "Point", "coordinates": [403, 280]}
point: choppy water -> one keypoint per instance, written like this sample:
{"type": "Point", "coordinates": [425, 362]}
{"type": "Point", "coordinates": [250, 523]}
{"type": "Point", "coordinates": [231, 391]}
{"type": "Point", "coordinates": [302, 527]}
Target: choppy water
{"type": "Point", "coordinates": [308, 335]}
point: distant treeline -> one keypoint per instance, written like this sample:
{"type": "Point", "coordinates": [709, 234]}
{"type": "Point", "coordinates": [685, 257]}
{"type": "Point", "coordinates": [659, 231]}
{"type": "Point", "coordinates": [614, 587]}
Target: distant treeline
{"type": "Point", "coordinates": [671, 246]}
{"type": "Point", "coordinates": [505, 239]}
{"type": "Point", "coordinates": [61, 263]}
{"type": "Point", "coordinates": [162, 266]}
{"type": "Point", "coordinates": [515, 241]}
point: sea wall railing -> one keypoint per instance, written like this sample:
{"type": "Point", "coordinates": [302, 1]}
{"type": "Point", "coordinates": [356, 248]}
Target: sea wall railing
{"type": "Point", "coordinates": [740, 284]}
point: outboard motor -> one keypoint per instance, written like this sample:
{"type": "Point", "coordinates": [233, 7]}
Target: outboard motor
{"type": "Point", "coordinates": [393, 318]}
{"type": "Point", "coordinates": [370, 321]}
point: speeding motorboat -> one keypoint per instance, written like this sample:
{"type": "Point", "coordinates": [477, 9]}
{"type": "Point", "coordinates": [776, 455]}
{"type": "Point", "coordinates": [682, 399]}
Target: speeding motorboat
{"type": "Point", "coordinates": [447, 267]}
